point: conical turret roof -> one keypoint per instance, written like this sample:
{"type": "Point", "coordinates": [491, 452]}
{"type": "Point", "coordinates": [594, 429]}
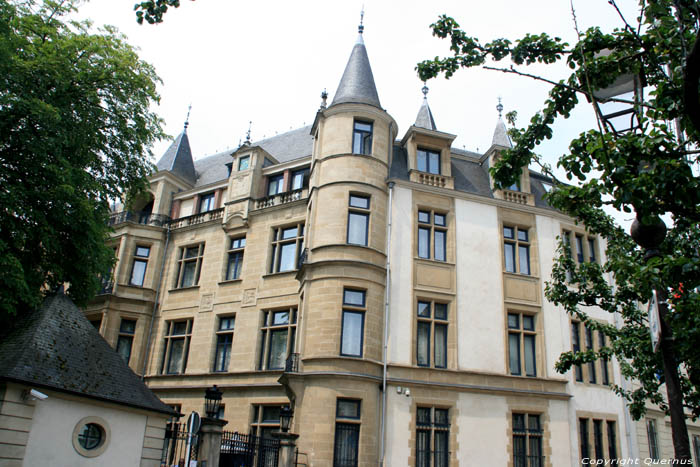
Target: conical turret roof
{"type": "Point", "coordinates": [178, 159]}
{"type": "Point", "coordinates": [500, 135]}
{"type": "Point", "coordinates": [357, 84]}
{"type": "Point", "coordinates": [425, 116]}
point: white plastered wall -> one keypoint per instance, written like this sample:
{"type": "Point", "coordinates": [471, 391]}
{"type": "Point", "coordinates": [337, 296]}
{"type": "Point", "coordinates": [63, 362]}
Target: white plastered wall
{"type": "Point", "coordinates": [401, 310]}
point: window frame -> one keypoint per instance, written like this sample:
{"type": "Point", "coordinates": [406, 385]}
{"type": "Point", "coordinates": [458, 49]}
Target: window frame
{"type": "Point", "coordinates": [304, 173]}
{"type": "Point", "coordinates": [427, 160]}
{"type": "Point", "coordinates": [235, 252]}
{"type": "Point", "coordinates": [528, 434]}
{"type": "Point", "coordinates": [224, 340]}
{"type": "Point", "coordinates": [183, 262]}
{"type": "Point", "coordinates": [269, 328]}
{"type": "Point", "coordinates": [517, 243]}
{"type": "Point", "coordinates": [207, 202]}
{"type": "Point", "coordinates": [345, 425]}
{"type": "Point", "coordinates": [432, 228]}
{"type": "Point", "coordinates": [432, 342]}
{"type": "Point", "coordinates": [140, 259]}
{"type": "Point", "coordinates": [363, 212]}
{"type": "Point", "coordinates": [590, 373]}
{"type": "Point", "coordinates": [365, 137]}
{"type": "Point", "coordinates": [652, 439]}
{"type": "Point", "coordinates": [260, 424]}
{"type": "Point", "coordinates": [243, 160]}
{"type": "Point", "coordinates": [169, 338]}
{"type": "Point", "coordinates": [430, 430]}
{"type": "Point", "coordinates": [597, 437]}
{"type": "Point", "coordinates": [275, 181]}
{"type": "Point", "coordinates": [126, 335]}
{"type": "Point", "coordinates": [521, 332]}
{"type": "Point", "coordinates": [279, 242]}
{"type": "Point", "coordinates": [353, 309]}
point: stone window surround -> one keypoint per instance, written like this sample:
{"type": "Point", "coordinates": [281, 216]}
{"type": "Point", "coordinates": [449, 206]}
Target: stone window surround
{"type": "Point", "coordinates": [585, 369]}
{"type": "Point", "coordinates": [604, 418]}
{"type": "Point", "coordinates": [540, 354]}
{"type": "Point", "coordinates": [104, 442]}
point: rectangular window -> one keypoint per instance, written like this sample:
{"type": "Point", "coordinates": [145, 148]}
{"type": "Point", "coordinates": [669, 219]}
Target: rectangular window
{"type": "Point", "coordinates": [522, 344]}
{"type": "Point", "coordinates": [362, 138]}
{"type": "Point", "coordinates": [604, 367]}
{"type": "Point", "coordinates": [591, 365]}
{"type": "Point", "coordinates": [428, 161]}
{"type": "Point", "coordinates": [224, 339]}
{"type": "Point", "coordinates": [176, 346]}
{"type": "Point", "coordinates": [138, 268]}
{"type": "Point", "coordinates": [287, 245]}
{"type": "Point", "coordinates": [125, 341]}
{"type": "Point", "coordinates": [432, 437]}
{"type": "Point", "coordinates": [597, 437]}
{"type": "Point", "coordinates": [527, 440]}
{"type": "Point", "coordinates": [431, 327]}
{"type": "Point", "coordinates": [347, 433]}
{"type": "Point", "coordinates": [612, 440]}
{"type": "Point", "coordinates": [516, 249]}
{"type": "Point", "coordinates": [266, 420]}
{"type": "Point", "coordinates": [358, 220]}
{"type": "Point", "coordinates": [696, 448]}
{"type": "Point", "coordinates": [275, 184]}
{"type": "Point", "coordinates": [189, 264]}
{"type": "Point", "coordinates": [235, 258]}
{"type": "Point", "coordinates": [243, 163]}
{"type": "Point", "coordinates": [652, 439]}
{"type": "Point", "coordinates": [353, 325]}
{"type": "Point", "coordinates": [576, 347]}
{"type": "Point", "coordinates": [300, 179]}
{"type": "Point", "coordinates": [583, 438]}
{"type": "Point", "coordinates": [579, 249]}
{"type": "Point", "coordinates": [206, 202]}
{"type": "Point", "coordinates": [585, 247]}
{"type": "Point", "coordinates": [277, 340]}
{"type": "Point", "coordinates": [432, 226]}
{"type": "Point", "coordinates": [591, 250]}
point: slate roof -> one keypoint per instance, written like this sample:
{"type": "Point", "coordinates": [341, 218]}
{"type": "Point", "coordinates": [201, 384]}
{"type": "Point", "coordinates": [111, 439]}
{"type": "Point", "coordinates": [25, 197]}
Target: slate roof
{"type": "Point", "coordinates": [56, 347]}
{"type": "Point", "coordinates": [425, 117]}
{"type": "Point", "coordinates": [178, 159]}
{"type": "Point", "coordinates": [500, 135]}
{"type": "Point", "coordinates": [357, 84]}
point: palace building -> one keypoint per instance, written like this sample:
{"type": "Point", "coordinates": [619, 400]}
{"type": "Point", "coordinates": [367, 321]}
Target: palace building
{"type": "Point", "coordinates": [374, 280]}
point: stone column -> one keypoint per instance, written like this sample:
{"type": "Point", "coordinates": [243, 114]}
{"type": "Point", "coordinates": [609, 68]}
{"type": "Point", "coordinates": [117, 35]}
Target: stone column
{"type": "Point", "coordinates": [288, 444]}
{"type": "Point", "coordinates": [210, 441]}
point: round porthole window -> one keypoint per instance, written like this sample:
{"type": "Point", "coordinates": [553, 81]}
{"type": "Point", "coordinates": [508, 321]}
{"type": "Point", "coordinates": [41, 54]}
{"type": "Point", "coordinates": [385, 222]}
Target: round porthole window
{"type": "Point", "coordinates": [91, 436]}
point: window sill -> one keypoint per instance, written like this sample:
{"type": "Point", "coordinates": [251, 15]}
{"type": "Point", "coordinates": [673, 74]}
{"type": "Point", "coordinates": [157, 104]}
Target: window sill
{"type": "Point", "coordinates": [433, 261]}
{"type": "Point", "coordinates": [231, 281]}
{"type": "Point", "coordinates": [277, 274]}
{"type": "Point", "coordinates": [521, 275]}
{"type": "Point", "coordinates": [183, 289]}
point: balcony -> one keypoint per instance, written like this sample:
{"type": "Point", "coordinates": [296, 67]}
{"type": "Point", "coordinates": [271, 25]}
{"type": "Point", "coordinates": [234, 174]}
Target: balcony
{"type": "Point", "coordinates": [292, 363]}
{"type": "Point", "coordinates": [279, 199]}
{"type": "Point", "coordinates": [516, 197]}
{"type": "Point", "coordinates": [137, 217]}
{"type": "Point", "coordinates": [201, 218]}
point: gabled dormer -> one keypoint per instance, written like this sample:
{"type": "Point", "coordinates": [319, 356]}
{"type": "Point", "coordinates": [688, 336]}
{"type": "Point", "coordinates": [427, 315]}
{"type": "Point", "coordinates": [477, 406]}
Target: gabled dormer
{"type": "Point", "coordinates": [428, 149]}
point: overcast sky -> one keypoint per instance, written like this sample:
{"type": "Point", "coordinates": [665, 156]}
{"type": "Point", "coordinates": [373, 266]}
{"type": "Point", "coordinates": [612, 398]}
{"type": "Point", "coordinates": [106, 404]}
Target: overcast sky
{"type": "Point", "coordinates": [268, 61]}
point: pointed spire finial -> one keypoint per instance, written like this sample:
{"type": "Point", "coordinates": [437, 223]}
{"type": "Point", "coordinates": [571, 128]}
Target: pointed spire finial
{"type": "Point", "coordinates": [247, 135]}
{"type": "Point", "coordinates": [499, 107]}
{"type": "Point", "coordinates": [425, 90]}
{"type": "Point", "coordinates": [361, 28]}
{"type": "Point", "coordinates": [324, 98]}
{"type": "Point", "coordinates": [187, 120]}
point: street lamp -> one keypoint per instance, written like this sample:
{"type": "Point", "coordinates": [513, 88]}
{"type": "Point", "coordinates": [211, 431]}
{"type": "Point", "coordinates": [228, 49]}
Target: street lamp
{"type": "Point", "coordinates": [286, 414]}
{"type": "Point", "coordinates": [212, 401]}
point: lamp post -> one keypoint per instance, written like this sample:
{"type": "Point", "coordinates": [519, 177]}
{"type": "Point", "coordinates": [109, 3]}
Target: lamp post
{"type": "Point", "coordinates": [212, 401]}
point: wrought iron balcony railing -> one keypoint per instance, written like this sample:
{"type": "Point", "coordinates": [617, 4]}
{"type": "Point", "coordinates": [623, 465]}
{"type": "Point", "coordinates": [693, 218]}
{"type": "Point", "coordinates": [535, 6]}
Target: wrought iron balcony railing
{"type": "Point", "coordinates": [136, 217]}
{"type": "Point", "coordinates": [292, 363]}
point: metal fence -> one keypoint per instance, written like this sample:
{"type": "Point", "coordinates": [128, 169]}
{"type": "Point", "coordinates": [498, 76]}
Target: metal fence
{"type": "Point", "coordinates": [239, 450]}
{"type": "Point", "coordinates": [175, 445]}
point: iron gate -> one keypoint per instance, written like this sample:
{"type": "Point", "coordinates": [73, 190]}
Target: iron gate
{"type": "Point", "coordinates": [238, 450]}
{"type": "Point", "coordinates": [175, 445]}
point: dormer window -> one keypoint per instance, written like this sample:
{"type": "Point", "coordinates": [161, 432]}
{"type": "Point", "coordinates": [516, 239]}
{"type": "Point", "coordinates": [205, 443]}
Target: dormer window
{"type": "Point", "coordinates": [243, 163]}
{"type": "Point", "coordinates": [275, 184]}
{"type": "Point", "coordinates": [300, 179]}
{"type": "Point", "coordinates": [428, 161]}
{"type": "Point", "coordinates": [362, 138]}
{"type": "Point", "coordinates": [206, 202]}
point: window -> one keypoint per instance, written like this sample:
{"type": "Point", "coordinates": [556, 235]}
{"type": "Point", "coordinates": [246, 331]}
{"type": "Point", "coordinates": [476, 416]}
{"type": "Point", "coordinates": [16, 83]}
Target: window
{"type": "Point", "coordinates": [585, 246]}
{"type": "Point", "coordinates": [652, 439]}
{"type": "Point", "coordinates": [189, 264]}
{"type": "Point", "coordinates": [362, 138]}
{"type": "Point", "coordinates": [594, 340]}
{"type": "Point", "coordinates": [428, 161]}
{"type": "Point", "coordinates": [300, 179]}
{"type": "Point", "coordinates": [266, 420]}
{"type": "Point", "coordinates": [432, 437]}
{"type": "Point", "coordinates": [432, 225]}
{"type": "Point", "coordinates": [243, 163]}
{"type": "Point", "coordinates": [224, 338]}
{"type": "Point", "coordinates": [358, 220]}
{"type": "Point", "coordinates": [576, 347]}
{"type": "Point", "coordinates": [432, 327]}
{"type": "Point", "coordinates": [275, 184]}
{"type": "Point", "coordinates": [527, 440]}
{"type": "Point", "coordinates": [597, 439]}
{"type": "Point", "coordinates": [176, 346]}
{"type": "Point", "coordinates": [353, 325]}
{"type": "Point", "coordinates": [521, 344]}
{"type": "Point", "coordinates": [91, 436]}
{"type": "Point", "coordinates": [347, 433]}
{"type": "Point", "coordinates": [206, 202]}
{"type": "Point", "coordinates": [278, 334]}
{"type": "Point", "coordinates": [696, 448]}
{"type": "Point", "coordinates": [516, 246]}
{"type": "Point", "coordinates": [235, 258]}
{"type": "Point", "coordinates": [125, 341]}
{"type": "Point", "coordinates": [287, 244]}
{"type": "Point", "coordinates": [138, 268]}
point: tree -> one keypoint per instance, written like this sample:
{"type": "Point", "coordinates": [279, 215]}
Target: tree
{"type": "Point", "coordinates": [153, 10]}
{"type": "Point", "coordinates": [75, 126]}
{"type": "Point", "coordinates": [648, 170]}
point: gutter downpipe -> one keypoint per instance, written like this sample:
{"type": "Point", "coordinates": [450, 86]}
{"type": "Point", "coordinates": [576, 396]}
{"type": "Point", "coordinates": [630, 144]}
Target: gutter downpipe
{"type": "Point", "coordinates": [387, 296]}
{"type": "Point", "coordinates": [146, 354]}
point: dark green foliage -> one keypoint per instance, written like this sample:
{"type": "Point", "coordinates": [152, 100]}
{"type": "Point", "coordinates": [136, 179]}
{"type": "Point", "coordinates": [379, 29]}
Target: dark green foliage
{"type": "Point", "coordinates": [75, 126]}
{"type": "Point", "coordinates": [153, 10]}
{"type": "Point", "coordinates": [647, 171]}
